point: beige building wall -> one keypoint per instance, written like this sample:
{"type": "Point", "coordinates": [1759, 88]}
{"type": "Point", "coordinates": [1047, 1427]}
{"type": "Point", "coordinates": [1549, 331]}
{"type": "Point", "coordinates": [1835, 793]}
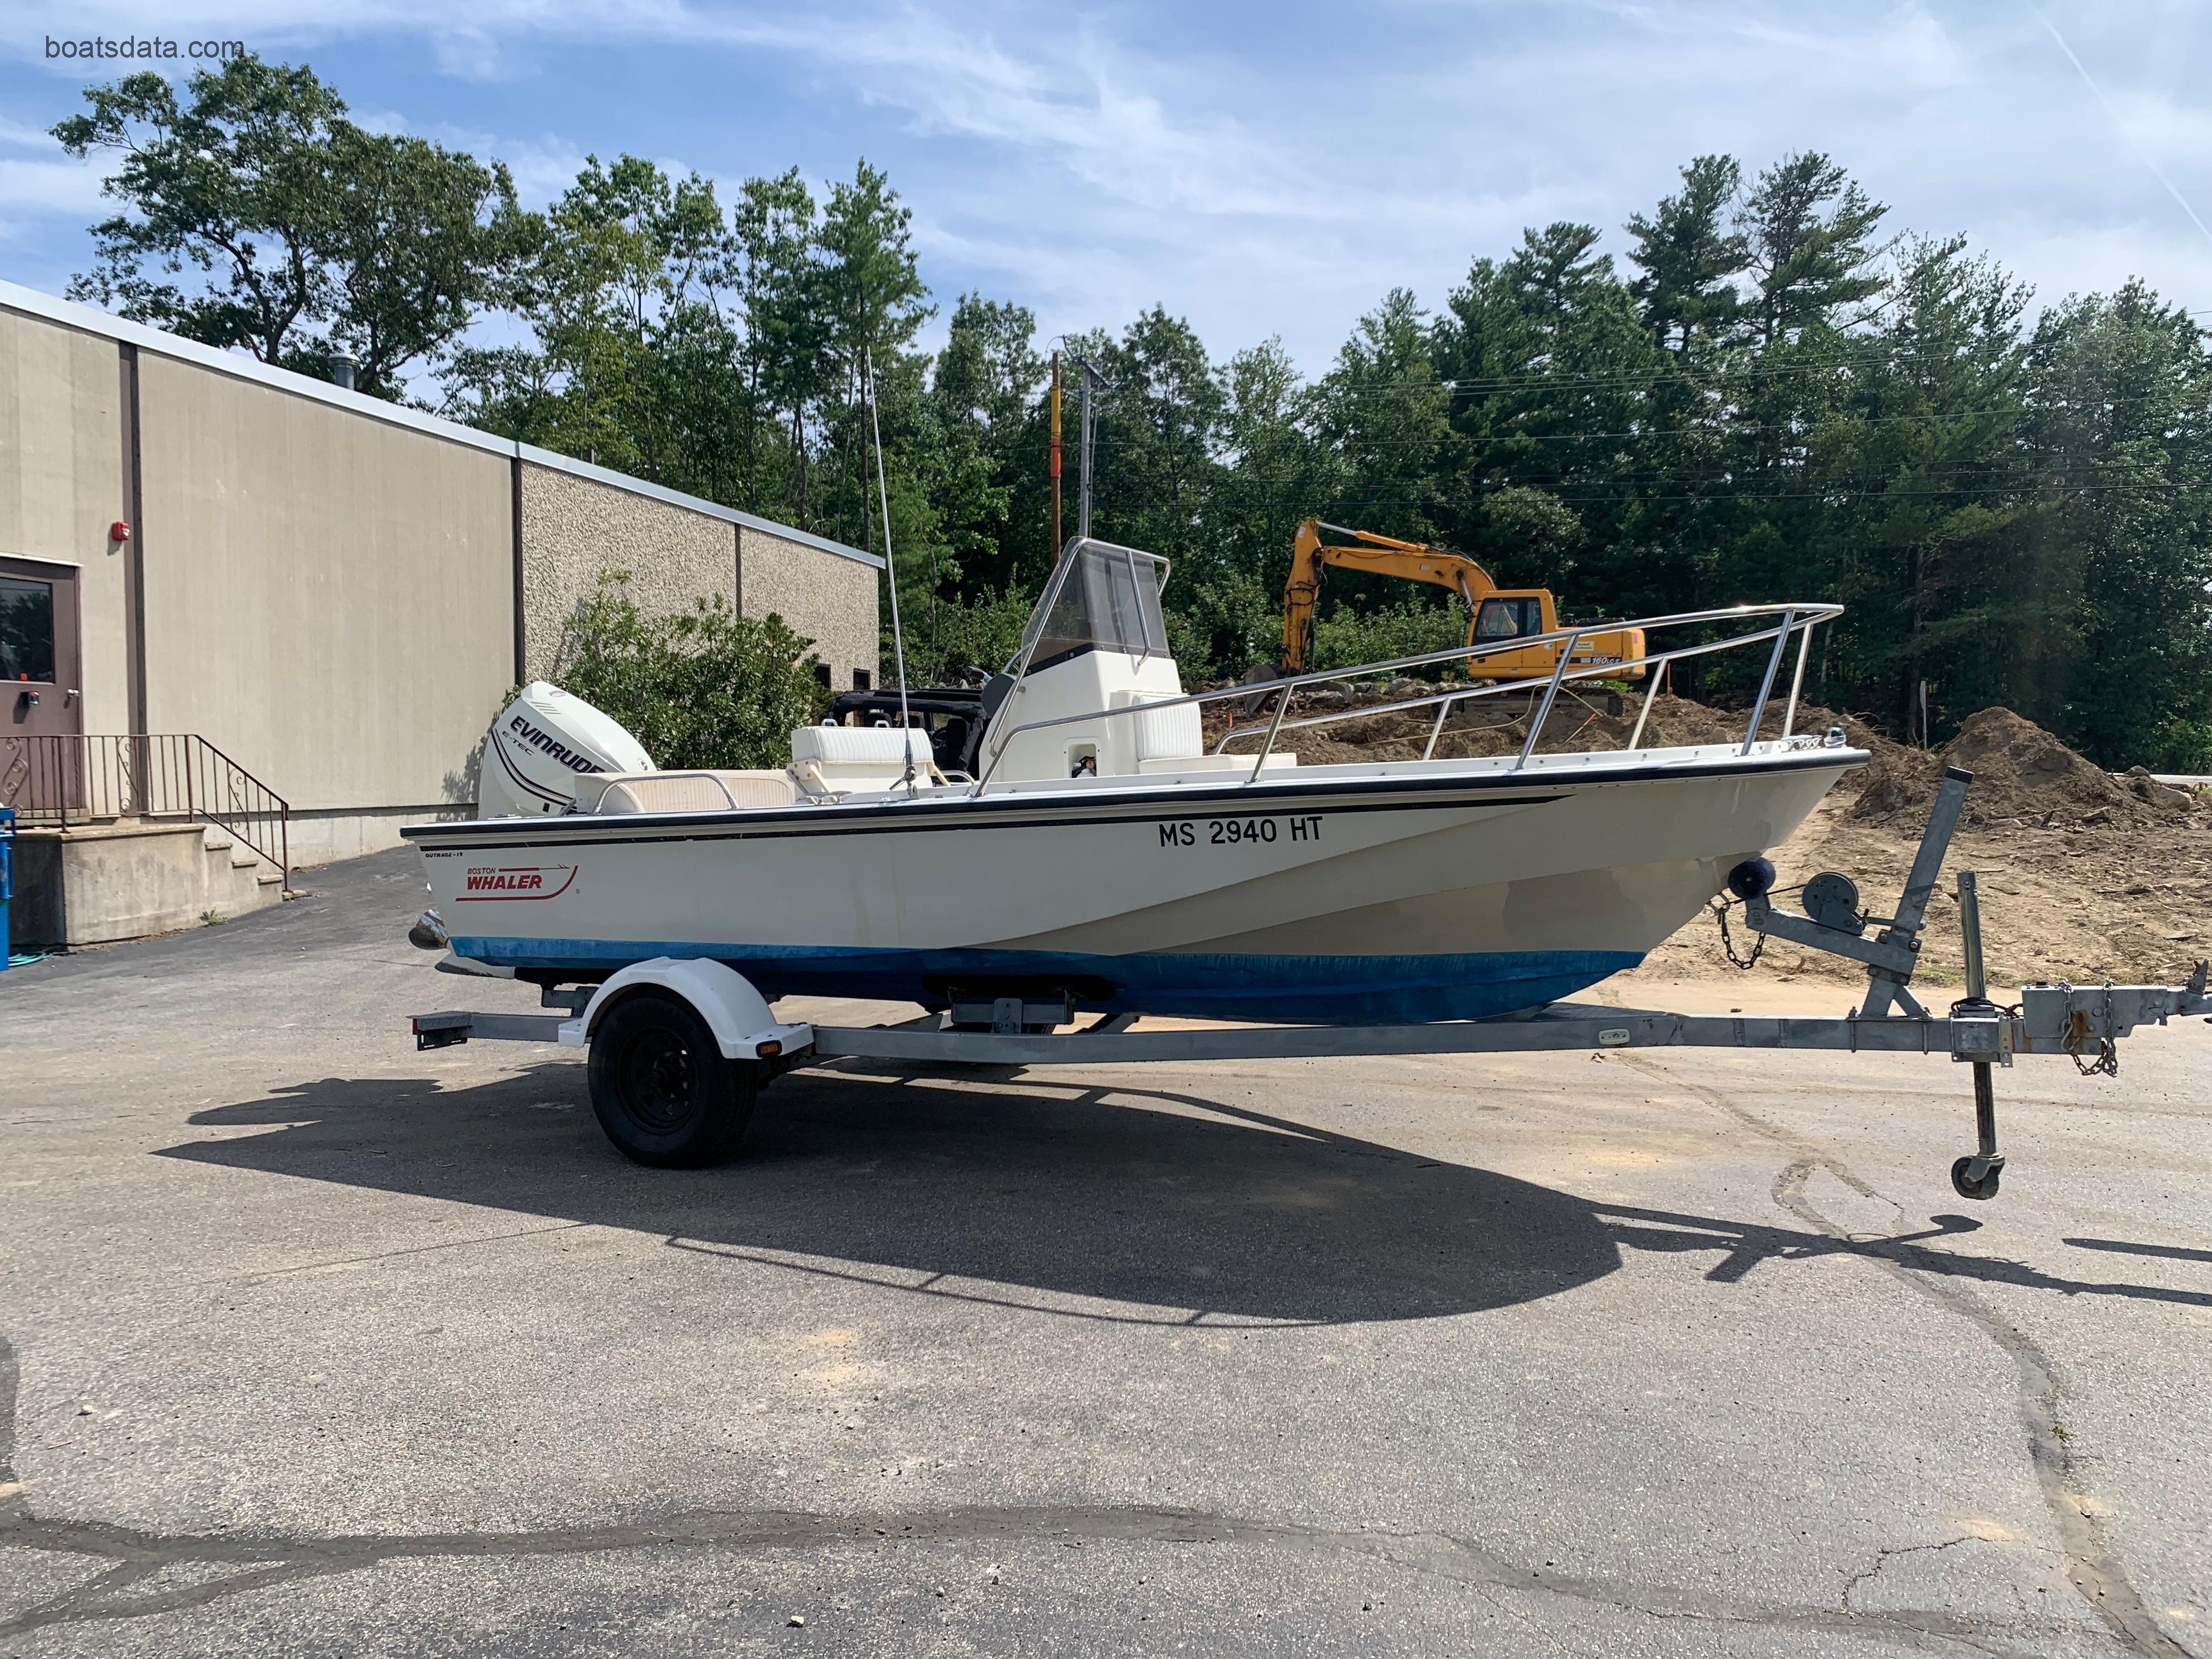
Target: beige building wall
{"type": "Point", "coordinates": [62, 486]}
{"type": "Point", "coordinates": [575, 528]}
{"type": "Point", "coordinates": [825, 597]}
{"type": "Point", "coordinates": [337, 592]}
{"type": "Point", "coordinates": [329, 599]}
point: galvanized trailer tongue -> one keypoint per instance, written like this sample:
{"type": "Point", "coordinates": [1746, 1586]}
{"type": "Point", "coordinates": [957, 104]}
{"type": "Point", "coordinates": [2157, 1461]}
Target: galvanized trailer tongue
{"type": "Point", "coordinates": [2084, 1022]}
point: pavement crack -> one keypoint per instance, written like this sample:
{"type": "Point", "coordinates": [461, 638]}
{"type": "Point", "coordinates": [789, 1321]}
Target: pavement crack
{"type": "Point", "coordinates": [2090, 1561]}
{"type": "Point", "coordinates": [1882, 1557]}
{"type": "Point", "coordinates": [411, 1250]}
{"type": "Point", "coordinates": [260, 1563]}
{"type": "Point", "coordinates": [11, 1487]}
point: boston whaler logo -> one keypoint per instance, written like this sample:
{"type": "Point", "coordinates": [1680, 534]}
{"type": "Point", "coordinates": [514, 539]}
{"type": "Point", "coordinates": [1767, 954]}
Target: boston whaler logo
{"type": "Point", "coordinates": [526, 881]}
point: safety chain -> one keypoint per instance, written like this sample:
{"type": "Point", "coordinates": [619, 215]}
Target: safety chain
{"type": "Point", "coordinates": [2107, 1060]}
{"type": "Point", "coordinates": [1721, 907]}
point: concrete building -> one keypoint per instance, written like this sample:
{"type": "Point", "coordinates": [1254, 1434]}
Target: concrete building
{"type": "Point", "coordinates": [330, 591]}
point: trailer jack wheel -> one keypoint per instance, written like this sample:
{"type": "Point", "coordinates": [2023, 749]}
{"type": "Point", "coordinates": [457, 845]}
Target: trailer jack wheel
{"type": "Point", "coordinates": [1977, 1176]}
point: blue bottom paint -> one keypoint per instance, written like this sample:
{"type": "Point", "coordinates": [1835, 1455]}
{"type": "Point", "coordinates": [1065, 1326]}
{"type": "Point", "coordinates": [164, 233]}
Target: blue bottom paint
{"type": "Point", "coordinates": [1302, 990]}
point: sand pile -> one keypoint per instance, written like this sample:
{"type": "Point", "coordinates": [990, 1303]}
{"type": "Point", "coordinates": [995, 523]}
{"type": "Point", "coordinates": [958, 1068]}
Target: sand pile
{"type": "Point", "coordinates": [2084, 876]}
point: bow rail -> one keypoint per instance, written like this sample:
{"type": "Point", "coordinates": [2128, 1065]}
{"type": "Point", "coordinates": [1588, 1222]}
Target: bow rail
{"type": "Point", "coordinates": [1799, 617]}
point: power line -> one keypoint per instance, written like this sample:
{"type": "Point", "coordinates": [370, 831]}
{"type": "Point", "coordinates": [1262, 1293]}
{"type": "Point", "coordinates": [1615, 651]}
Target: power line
{"type": "Point", "coordinates": [1811, 492]}
{"type": "Point", "coordinates": [1505, 440]}
{"type": "Point", "coordinates": [1878, 352]}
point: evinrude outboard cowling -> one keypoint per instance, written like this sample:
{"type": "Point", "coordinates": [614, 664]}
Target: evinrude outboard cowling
{"type": "Point", "coordinates": [538, 745]}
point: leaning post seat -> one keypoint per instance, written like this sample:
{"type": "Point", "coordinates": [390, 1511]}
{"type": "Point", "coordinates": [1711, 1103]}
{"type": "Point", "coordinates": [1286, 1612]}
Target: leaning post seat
{"type": "Point", "coordinates": [1172, 741]}
{"type": "Point", "coordinates": [1168, 734]}
{"type": "Point", "coordinates": [843, 759]}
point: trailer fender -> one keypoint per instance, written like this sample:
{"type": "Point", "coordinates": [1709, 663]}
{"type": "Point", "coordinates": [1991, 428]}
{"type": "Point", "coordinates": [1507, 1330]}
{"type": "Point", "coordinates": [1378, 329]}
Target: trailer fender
{"type": "Point", "coordinates": [739, 1015]}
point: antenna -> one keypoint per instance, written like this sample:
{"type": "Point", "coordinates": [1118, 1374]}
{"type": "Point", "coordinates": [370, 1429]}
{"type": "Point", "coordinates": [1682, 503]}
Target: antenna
{"type": "Point", "coordinates": [1056, 458]}
{"type": "Point", "coordinates": [890, 570]}
{"type": "Point", "coordinates": [1092, 378]}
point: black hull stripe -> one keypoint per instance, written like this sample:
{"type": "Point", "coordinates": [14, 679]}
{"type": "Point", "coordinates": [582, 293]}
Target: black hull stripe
{"type": "Point", "coordinates": [673, 835]}
{"type": "Point", "coordinates": [1268, 799]}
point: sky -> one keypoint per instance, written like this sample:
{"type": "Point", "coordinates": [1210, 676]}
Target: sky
{"type": "Point", "coordinates": [1261, 169]}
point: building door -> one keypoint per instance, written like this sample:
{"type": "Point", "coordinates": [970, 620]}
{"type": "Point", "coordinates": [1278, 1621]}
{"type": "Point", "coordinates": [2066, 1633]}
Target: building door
{"type": "Point", "coordinates": [39, 687]}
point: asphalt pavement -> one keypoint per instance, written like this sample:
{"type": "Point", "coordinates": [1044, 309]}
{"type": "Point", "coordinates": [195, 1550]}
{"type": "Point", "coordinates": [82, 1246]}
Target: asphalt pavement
{"type": "Point", "coordinates": [311, 1344]}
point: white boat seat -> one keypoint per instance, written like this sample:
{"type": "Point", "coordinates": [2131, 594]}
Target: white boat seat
{"type": "Point", "coordinates": [841, 759]}
{"type": "Point", "coordinates": [703, 791]}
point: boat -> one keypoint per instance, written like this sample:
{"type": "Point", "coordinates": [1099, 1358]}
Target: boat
{"type": "Point", "coordinates": [1099, 857]}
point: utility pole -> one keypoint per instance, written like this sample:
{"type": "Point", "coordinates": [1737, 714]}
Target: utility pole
{"type": "Point", "coordinates": [1056, 458]}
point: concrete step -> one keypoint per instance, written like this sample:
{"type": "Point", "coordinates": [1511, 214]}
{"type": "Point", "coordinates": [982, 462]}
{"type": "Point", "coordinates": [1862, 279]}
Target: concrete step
{"type": "Point", "coordinates": [99, 884]}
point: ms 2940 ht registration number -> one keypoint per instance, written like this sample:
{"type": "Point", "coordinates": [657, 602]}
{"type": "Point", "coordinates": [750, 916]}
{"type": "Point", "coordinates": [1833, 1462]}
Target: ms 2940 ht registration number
{"type": "Point", "coordinates": [1235, 832]}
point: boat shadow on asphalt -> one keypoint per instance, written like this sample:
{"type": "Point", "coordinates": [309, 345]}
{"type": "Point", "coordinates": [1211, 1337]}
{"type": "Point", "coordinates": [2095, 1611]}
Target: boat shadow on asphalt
{"type": "Point", "coordinates": [1092, 1201]}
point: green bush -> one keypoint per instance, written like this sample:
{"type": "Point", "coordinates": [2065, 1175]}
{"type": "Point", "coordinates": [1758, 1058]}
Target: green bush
{"type": "Point", "coordinates": [705, 688]}
{"type": "Point", "coordinates": [2182, 746]}
{"type": "Point", "coordinates": [1346, 638]}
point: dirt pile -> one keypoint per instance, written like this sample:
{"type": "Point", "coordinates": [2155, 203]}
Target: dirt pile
{"type": "Point", "coordinates": [2023, 776]}
{"type": "Point", "coordinates": [1498, 725]}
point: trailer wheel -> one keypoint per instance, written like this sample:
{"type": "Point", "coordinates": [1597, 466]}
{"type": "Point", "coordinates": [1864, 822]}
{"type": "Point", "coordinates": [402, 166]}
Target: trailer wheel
{"type": "Point", "coordinates": [661, 1086]}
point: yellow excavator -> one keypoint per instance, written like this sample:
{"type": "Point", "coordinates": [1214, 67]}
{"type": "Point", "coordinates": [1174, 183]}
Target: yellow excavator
{"type": "Point", "coordinates": [1495, 614]}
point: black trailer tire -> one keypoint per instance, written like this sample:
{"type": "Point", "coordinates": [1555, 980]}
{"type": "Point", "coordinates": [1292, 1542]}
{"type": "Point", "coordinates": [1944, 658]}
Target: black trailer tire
{"type": "Point", "coordinates": [661, 1086]}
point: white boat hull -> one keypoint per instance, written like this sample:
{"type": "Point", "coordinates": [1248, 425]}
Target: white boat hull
{"type": "Point", "coordinates": [1367, 894]}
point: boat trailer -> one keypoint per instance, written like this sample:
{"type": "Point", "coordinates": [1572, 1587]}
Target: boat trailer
{"type": "Point", "coordinates": [2084, 1022]}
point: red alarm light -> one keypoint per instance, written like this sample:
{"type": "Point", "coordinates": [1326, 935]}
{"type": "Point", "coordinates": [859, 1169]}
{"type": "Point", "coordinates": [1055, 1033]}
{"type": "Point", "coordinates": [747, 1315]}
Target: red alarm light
{"type": "Point", "coordinates": [118, 531]}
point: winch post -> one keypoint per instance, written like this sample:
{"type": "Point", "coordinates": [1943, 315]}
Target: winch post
{"type": "Point", "coordinates": [1977, 1176]}
{"type": "Point", "coordinates": [1883, 985]}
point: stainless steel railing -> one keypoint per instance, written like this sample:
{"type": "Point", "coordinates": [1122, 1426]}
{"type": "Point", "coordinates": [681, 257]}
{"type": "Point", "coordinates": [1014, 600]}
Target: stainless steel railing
{"type": "Point", "coordinates": [62, 780]}
{"type": "Point", "coordinates": [1800, 618]}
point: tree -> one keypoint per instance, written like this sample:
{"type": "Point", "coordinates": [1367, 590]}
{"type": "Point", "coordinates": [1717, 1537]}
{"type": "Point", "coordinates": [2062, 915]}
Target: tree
{"type": "Point", "coordinates": [980, 385]}
{"type": "Point", "coordinates": [1158, 427]}
{"type": "Point", "coordinates": [872, 293]}
{"type": "Point", "coordinates": [1806, 265]}
{"type": "Point", "coordinates": [302, 231]}
{"type": "Point", "coordinates": [1688, 261]}
{"type": "Point", "coordinates": [769, 264]}
{"type": "Point", "coordinates": [1384, 412]}
{"type": "Point", "coordinates": [2122, 415]}
{"type": "Point", "coordinates": [1918, 450]}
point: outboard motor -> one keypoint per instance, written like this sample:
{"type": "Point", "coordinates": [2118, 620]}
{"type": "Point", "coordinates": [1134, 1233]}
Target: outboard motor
{"type": "Point", "coordinates": [538, 745]}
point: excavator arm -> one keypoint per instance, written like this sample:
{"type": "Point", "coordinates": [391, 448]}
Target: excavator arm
{"type": "Point", "coordinates": [1385, 556]}
{"type": "Point", "coordinates": [1517, 610]}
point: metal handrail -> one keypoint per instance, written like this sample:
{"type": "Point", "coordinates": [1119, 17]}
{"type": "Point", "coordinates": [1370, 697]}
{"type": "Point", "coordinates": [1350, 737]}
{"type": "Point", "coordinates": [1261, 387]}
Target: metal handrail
{"type": "Point", "coordinates": [69, 778]}
{"type": "Point", "coordinates": [1800, 618]}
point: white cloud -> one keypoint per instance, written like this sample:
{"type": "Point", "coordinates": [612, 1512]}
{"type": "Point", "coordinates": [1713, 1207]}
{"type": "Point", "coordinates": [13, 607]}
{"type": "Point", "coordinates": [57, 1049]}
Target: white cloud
{"type": "Point", "coordinates": [1267, 171]}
